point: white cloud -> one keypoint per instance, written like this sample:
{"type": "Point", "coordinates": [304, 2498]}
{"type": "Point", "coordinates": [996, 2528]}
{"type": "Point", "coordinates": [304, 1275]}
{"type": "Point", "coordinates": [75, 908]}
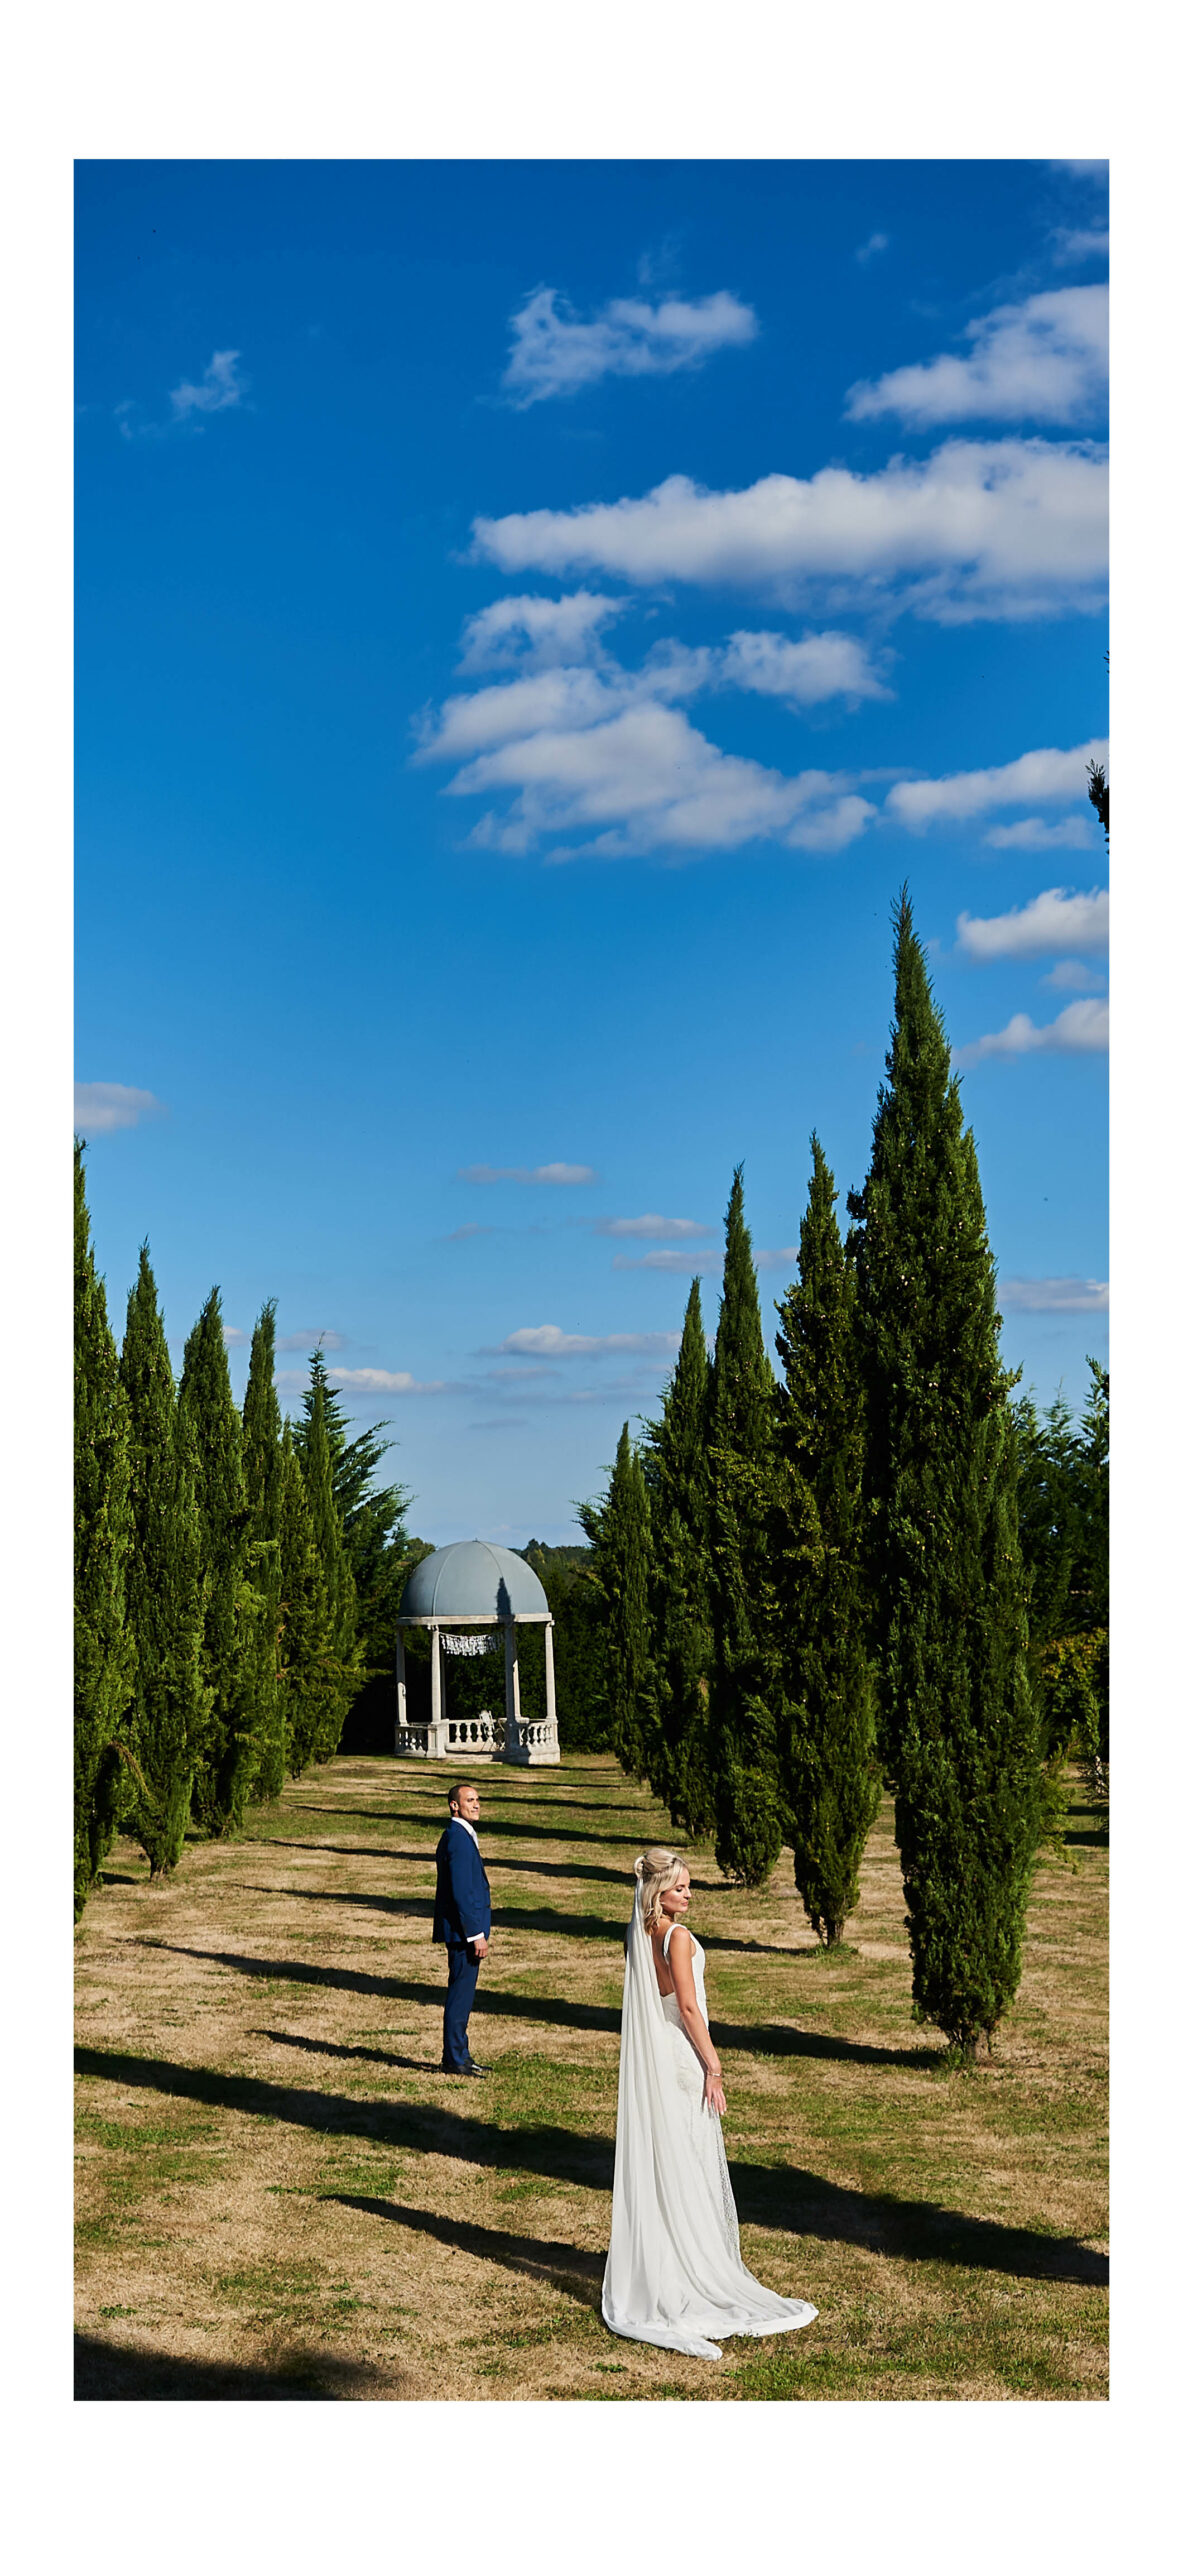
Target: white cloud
{"type": "Point", "coordinates": [563, 698]}
{"type": "Point", "coordinates": [1057, 920]}
{"type": "Point", "coordinates": [1096, 171]}
{"type": "Point", "coordinates": [999, 529]}
{"type": "Point", "coordinates": [1081, 1027]}
{"type": "Point", "coordinates": [551, 1343]}
{"type": "Point", "coordinates": [653, 783]}
{"type": "Point", "coordinates": [554, 353]}
{"type": "Point", "coordinates": [872, 248]}
{"type": "Point", "coordinates": [651, 1224]}
{"type": "Point", "coordinates": [1070, 248]}
{"type": "Point", "coordinates": [1044, 358]}
{"type": "Point", "coordinates": [309, 1339]}
{"type": "Point", "coordinates": [1042, 835]}
{"type": "Point", "coordinates": [813, 669]}
{"type": "Point", "coordinates": [368, 1382]}
{"type": "Point", "coordinates": [1044, 774]}
{"type": "Point", "coordinates": [545, 630]}
{"type": "Point", "coordinates": [560, 1174]}
{"type": "Point", "coordinates": [233, 1335]}
{"type": "Point", "coordinates": [99, 1108]}
{"type": "Point", "coordinates": [766, 1258]}
{"type": "Point", "coordinates": [1054, 1297]}
{"type": "Point", "coordinates": [600, 746]}
{"type": "Point", "coordinates": [219, 388]}
{"type": "Point", "coordinates": [666, 1260]}
{"type": "Point", "coordinates": [1071, 977]}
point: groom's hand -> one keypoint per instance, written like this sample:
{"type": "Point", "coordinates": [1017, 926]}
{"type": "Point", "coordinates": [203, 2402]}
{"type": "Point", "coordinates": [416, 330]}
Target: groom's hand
{"type": "Point", "coordinates": [482, 1947]}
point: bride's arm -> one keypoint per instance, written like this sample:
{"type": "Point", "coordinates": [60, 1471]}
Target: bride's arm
{"type": "Point", "coordinates": [681, 1965]}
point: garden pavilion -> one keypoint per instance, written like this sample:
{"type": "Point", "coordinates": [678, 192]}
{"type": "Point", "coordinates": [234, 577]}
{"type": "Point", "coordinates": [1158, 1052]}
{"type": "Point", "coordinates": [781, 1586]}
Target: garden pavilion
{"type": "Point", "coordinates": [473, 1597]}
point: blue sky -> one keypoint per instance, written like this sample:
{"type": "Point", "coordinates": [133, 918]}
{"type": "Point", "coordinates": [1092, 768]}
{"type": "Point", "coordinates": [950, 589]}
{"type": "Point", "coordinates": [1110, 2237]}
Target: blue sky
{"type": "Point", "coordinates": [531, 619]}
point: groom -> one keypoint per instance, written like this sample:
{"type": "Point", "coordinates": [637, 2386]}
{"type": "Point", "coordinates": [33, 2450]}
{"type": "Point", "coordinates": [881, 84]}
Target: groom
{"type": "Point", "coordinates": [463, 1923]}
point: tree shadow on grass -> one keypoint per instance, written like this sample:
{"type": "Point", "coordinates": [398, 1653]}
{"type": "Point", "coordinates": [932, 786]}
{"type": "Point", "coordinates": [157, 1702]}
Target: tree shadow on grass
{"type": "Point", "coordinates": [547, 1923]}
{"type": "Point", "coordinates": [780, 2043]}
{"type": "Point", "coordinates": [579, 2272]}
{"type": "Point", "coordinates": [349, 2052]}
{"type": "Point", "coordinates": [779, 2198]}
{"type": "Point", "coordinates": [490, 1826]}
{"type": "Point", "coordinates": [105, 2371]}
{"type": "Point", "coordinates": [622, 1876]}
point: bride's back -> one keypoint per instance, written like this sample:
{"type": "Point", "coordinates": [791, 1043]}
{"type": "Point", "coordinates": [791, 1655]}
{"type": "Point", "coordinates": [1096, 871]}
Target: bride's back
{"type": "Point", "coordinates": [665, 1980]}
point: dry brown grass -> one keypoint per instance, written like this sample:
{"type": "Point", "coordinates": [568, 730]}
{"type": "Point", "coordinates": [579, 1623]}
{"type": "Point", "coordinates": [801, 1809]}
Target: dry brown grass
{"type": "Point", "coordinates": [280, 2197]}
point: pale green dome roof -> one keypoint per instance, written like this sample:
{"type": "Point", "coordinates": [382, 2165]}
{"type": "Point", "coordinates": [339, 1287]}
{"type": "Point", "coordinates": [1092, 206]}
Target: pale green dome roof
{"type": "Point", "coordinates": [474, 1580]}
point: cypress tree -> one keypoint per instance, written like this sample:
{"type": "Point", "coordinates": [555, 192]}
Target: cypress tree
{"type": "Point", "coordinates": [957, 1722]}
{"type": "Point", "coordinates": [230, 1751]}
{"type": "Point", "coordinates": [679, 1483]}
{"type": "Point", "coordinates": [748, 1814]}
{"type": "Point", "coordinates": [622, 1551]}
{"type": "Point", "coordinates": [104, 1648]}
{"type": "Point", "coordinates": [831, 1785]}
{"type": "Point", "coordinates": [263, 1476]}
{"type": "Point", "coordinates": [315, 1449]}
{"type": "Point", "coordinates": [308, 1677]}
{"type": "Point", "coordinates": [164, 1588]}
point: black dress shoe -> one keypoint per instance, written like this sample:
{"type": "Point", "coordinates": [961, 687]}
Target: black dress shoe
{"type": "Point", "coordinates": [465, 2070]}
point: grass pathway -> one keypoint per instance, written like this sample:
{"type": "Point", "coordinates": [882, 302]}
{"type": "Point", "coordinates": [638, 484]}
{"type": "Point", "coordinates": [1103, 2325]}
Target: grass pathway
{"type": "Point", "coordinates": [279, 2196]}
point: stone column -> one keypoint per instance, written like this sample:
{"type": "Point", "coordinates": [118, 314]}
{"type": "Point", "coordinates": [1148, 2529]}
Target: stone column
{"type": "Point", "coordinates": [400, 1676]}
{"type": "Point", "coordinates": [548, 1638]}
{"type": "Point", "coordinates": [437, 1739]}
{"type": "Point", "coordinates": [513, 1692]}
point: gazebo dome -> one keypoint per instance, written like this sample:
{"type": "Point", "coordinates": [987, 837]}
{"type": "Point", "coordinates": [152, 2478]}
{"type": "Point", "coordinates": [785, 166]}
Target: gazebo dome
{"type": "Point", "coordinates": [474, 1580]}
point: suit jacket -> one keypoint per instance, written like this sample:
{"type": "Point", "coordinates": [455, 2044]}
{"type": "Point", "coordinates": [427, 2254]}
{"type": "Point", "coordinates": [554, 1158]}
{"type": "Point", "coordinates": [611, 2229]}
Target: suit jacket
{"type": "Point", "coordinates": [463, 1905]}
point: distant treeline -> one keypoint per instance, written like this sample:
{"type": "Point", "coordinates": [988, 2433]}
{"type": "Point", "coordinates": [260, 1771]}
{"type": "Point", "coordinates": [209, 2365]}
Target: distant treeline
{"type": "Point", "coordinates": [874, 1565]}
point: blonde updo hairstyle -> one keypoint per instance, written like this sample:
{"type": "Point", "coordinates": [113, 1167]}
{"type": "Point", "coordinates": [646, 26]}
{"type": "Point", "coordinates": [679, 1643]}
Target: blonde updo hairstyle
{"type": "Point", "coordinates": [656, 1871]}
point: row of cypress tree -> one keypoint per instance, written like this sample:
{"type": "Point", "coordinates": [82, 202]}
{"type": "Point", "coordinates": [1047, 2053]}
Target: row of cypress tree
{"type": "Point", "coordinates": [815, 1581]}
{"type": "Point", "coordinates": [235, 1576]}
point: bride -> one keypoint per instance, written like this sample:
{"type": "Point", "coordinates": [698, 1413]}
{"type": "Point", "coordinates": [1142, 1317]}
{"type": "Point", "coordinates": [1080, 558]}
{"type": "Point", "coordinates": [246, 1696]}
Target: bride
{"type": "Point", "coordinates": [674, 2276]}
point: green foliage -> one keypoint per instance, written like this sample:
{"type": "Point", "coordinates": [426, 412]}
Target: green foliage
{"type": "Point", "coordinates": [957, 1721]}
{"type": "Point", "coordinates": [583, 1683]}
{"type": "Point", "coordinates": [744, 1686]}
{"type": "Point", "coordinates": [317, 1447]}
{"type": "Point", "coordinates": [104, 1648]}
{"type": "Point", "coordinates": [678, 1475]}
{"type": "Point", "coordinates": [308, 1669]}
{"type": "Point", "coordinates": [376, 1543]}
{"type": "Point", "coordinates": [1099, 795]}
{"type": "Point", "coordinates": [619, 1533]}
{"type": "Point", "coordinates": [165, 1591]}
{"type": "Point", "coordinates": [749, 1822]}
{"type": "Point", "coordinates": [263, 1480]}
{"type": "Point", "coordinates": [827, 1744]}
{"type": "Point", "coordinates": [230, 1749]}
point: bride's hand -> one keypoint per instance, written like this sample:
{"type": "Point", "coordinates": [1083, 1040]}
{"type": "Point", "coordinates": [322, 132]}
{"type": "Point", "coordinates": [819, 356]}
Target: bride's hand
{"type": "Point", "coordinates": [712, 2095]}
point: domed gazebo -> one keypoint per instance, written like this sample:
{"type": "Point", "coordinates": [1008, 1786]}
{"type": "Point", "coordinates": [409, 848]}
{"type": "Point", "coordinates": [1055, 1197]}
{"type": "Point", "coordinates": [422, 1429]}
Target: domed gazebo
{"type": "Point", "coordinates": [473, 1597]}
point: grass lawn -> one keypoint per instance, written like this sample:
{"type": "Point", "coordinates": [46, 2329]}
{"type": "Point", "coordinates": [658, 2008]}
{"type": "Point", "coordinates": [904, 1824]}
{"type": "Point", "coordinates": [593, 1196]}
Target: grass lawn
{"type": "Point", "coordinates": [280, 2198]}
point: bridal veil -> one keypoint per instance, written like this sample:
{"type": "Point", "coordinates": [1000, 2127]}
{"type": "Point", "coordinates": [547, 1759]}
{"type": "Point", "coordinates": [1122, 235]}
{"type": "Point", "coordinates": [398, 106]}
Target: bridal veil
{"type": "Point", "coordinates": [674, 2276]}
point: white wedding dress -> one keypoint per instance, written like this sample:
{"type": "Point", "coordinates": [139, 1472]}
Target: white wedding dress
{"type": "Point", "coordinates": [674, 2276]}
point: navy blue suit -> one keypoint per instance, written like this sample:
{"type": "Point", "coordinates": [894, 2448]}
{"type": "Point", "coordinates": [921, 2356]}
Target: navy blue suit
{"type": "Point", "coordinates": [463, 1911]}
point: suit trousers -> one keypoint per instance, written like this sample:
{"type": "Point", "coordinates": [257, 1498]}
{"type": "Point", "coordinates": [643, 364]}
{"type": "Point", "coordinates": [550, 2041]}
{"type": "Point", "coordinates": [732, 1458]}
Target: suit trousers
{"type": "Point", "coordinates": [463, 1967]}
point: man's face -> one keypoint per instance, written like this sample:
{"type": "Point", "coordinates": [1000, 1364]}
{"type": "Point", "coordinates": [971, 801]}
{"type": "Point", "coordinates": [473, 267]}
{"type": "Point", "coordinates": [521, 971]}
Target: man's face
{"type": "Point", "coordinates": [468, 1805]}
